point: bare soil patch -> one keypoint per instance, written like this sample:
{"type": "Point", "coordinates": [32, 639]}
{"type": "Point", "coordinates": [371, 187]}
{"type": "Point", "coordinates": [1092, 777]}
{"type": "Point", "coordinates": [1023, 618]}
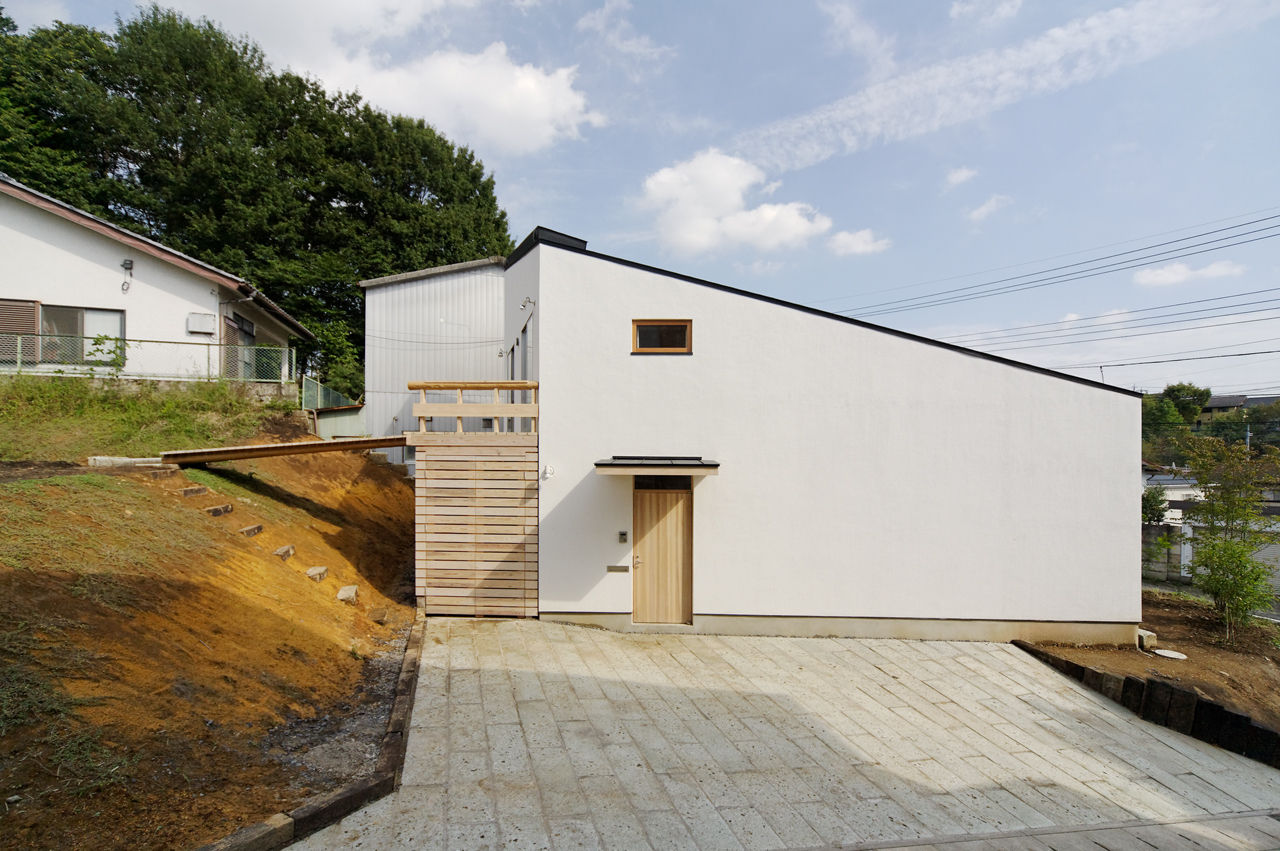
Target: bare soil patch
{"type": "Point", "coordinates": [1244, 675]}
{"type": "Point", "coordinates": [165, 679]}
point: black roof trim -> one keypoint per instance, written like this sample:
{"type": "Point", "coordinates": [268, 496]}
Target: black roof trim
{"type": "Point", "coordinates": [578, 246]}
{"type": "Point", "coordinates": [690, 461]}
{"type": "Point", "coordinates": [548, 236]}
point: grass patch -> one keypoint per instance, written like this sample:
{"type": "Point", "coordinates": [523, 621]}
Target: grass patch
{"type": "Point", "coordinates": [101, 523]}
{"type": "Point", "coordinates": [81, 762]}
{"type": "Point", "coordinates": [27, 697]}
{"type": "Point", "coordinates": [67, 419]}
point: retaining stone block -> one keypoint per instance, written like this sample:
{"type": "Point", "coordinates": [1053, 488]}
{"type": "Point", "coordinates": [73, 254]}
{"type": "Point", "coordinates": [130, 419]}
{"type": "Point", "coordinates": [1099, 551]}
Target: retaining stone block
{"type": "Point", "coordinates": [1133, 693]}
{"type": "Point", "coordinates": [250, 531]}
{"type": "Point", "coordinates": [347, 594]}
{"type": "Point", "coordinates": [1208, 722]}
{"type": "Point", "coordinates": [285, 552]}
{"type": "Point", "coordinates": [218, 510]}
{"type": "Point", "coordinates": [1182, 710]}
{"type": "Point", "coordinates": [1234, 732]}
{"type": "Point", "coordinates": [1092, 679]}
{"type": "Point", "coordinates": [317, 574]}
{"type": "Point", "coordinates": [1155, 705]}
{"type": "Point", "coordinates": [1261, 743]}
{"type": "Point", "coordinates": [194, 490]}
{"type": "Point", "coordinates": [1111, 686]}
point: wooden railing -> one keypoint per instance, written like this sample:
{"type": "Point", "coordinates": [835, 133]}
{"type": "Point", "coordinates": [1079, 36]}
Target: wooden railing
{"type": "Point", "coordinates": [508, 415]}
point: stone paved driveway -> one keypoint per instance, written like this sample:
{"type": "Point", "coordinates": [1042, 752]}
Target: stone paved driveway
{"type": "Point", "coordinates": [530, 734]}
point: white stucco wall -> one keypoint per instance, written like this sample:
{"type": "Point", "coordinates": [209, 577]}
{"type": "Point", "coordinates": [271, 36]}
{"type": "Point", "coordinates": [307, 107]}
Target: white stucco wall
{"type": "Point", "coordinates": [57, 262]}
{"type": "Point", "coordinates": [862, 474]}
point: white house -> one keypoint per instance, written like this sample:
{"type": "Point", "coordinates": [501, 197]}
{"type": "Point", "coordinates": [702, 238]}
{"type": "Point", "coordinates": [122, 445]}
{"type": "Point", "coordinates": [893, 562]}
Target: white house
{"type": "Point", "coordinates": [714, 460]}
{"type": "Point", "coordinates": [81, 294]}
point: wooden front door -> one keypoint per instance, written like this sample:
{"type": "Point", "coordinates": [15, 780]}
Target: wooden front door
{"type": "Point", "coordinates": [662, 566]}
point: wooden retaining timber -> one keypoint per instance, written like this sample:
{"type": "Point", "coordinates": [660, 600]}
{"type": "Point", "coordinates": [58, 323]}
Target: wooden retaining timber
{"type": "Point", "coordinates": [190, 457]}
{"type": "Point", "coordinates": [476, 502]}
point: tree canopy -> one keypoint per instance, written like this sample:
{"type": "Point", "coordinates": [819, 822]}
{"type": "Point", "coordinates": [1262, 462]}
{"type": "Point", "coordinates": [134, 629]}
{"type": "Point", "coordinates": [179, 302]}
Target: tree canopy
{"type": "Point", "coordinates": [174, 129]}
{"type": "Point", "coordinates": [1188, 399]}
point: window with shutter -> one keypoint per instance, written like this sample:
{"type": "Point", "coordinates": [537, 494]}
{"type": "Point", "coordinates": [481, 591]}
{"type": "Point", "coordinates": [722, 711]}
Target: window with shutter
{"type": "Point", "coordinates": [17, 320]}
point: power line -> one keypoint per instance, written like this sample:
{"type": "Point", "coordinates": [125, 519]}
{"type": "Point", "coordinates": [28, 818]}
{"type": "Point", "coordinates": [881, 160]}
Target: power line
{"type": "Point", "coordinates": [1052, 257]}
{"type": "Point", "coordinates": [982, 336]}
{"type": "Point", "coordinates": [1144, 334]}
{"type": "Point", "coordinates": [1170, 354]}
{"type": "Point", "coordinates": [1083, 274]}
{"type": "Point", "coordinates": [1114, 330]}
{"type": "Point", "coordinates": [1176, 360]}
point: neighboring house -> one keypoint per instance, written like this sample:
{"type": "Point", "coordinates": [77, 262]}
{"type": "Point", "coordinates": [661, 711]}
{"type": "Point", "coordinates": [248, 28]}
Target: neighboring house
{"type": "Point", "coordinates": [81, 294]}
{"type": "Point", "coordinates": [1218, 405]}
{"type": "Point", "coordinates": [1182, 491]}
{"type": "Point", "coordinates": [709, 459]}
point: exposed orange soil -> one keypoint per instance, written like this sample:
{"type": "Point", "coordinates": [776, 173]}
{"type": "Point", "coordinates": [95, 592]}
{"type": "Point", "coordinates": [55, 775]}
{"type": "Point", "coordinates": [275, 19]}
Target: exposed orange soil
{"type": "Point", "coordinates": [185, 665]}
{"type": "Point", "coordinates": [1244, 676]}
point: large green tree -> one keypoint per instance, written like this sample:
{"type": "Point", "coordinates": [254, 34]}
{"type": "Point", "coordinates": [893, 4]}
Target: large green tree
{"type": "Point", "coordinates": [1188, 399]}
{"type": "Point", "coordinates": [1229, 525]}
{"type": "Point", "coordinates": [173, 128]}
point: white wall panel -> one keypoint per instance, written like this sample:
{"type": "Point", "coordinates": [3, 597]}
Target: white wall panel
{"type": "Point", "coordinates": [862, 474]}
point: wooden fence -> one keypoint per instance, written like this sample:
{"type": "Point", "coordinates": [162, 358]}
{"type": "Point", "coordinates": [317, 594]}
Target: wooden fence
{"type": "Point", "coordinates": [476, 501]}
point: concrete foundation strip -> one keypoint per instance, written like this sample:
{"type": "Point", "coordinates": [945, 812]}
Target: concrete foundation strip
{"type": "Point", "coordinates": [283, 828]}
{"type": "Point", "coordinates": [1170, 706]}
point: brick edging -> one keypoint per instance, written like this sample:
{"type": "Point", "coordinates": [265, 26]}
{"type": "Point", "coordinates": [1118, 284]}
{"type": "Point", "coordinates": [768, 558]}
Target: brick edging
{"type": "Point", "coordinates": [282, 829]}
{"type": "Point", "coordinates": [1179, 709]}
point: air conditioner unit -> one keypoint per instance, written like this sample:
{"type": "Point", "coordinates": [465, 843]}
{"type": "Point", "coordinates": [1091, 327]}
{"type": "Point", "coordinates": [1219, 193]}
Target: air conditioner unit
{"type": "Point", "coordinates": [202, 323]}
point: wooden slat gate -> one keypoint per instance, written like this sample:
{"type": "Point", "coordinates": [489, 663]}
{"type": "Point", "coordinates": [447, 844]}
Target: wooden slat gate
{"type": "Point", "coordinates": [476, 505]}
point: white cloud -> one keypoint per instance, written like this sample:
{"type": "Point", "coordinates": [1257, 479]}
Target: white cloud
{"type": "Point", "coordinates": [857, 242]}
{"type": "Point", "coordinates": [759, 268]}
{"type": "Point", "coordinates": [988, 207]}
{"type": "Point", "coordinates": [637, 53]}
{"type": "Point", "coordinates": [29, 14]}
{"type": "Point", "coordinates": [1180, 273]}
{"type": "Point", "coordinates": [851, 32]}
{"type": "Point", "coordinates": [987, 11]}
{"type": "Point", "coordinates": [486, 100]}
{"type": "Point", "coordinates": [960, 175]}
{"type": "Point", "coordinates": [961, 90]}
{"type": "Point", "coordinates": [701, 206]}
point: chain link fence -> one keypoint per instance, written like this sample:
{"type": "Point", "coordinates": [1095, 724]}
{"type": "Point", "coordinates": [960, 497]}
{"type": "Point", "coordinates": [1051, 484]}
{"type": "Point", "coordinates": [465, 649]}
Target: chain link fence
{"type": "Point", "coordinates": [55, 354]}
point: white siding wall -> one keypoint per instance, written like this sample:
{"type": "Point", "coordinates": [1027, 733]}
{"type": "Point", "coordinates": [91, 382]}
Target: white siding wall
{"type": "Point", "coordinates": [862, 474]}
{"type": "Point", "coordinates": [438, 328]}
{"type": "Point", "coordinates": [57, 262]}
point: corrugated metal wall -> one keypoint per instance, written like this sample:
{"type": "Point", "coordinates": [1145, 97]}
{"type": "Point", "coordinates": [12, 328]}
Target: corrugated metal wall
{"type": "Point", "coordinates": [440, 328]}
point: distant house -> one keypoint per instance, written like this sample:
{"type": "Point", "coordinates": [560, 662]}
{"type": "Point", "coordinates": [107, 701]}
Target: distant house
{"type": "Point", "coordinates": [80, 294]}
{"type": "Point", "coordinates": [652, 451]}
{"type": "Point", "coordinates": [1219, 405]}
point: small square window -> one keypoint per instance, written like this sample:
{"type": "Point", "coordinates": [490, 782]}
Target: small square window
{"type": "Point", "coordinates": [661, 336]}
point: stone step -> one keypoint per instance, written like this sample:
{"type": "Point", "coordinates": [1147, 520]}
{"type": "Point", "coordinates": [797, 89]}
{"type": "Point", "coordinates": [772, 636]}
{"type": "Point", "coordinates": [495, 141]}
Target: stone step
{"type": "Point", "coordinates": [285, 552]}
{"type": "Point", "coordinates": [317, 574]}
{"type": "Point", "coordinates": [217, 510]}
{"type": "Point", "coordinates": [193, 490]}
{"type": "Point", "coordinates": [250, 531]}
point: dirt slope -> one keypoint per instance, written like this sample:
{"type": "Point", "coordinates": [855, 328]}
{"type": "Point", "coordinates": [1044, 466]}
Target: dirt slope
{"type": "Point", "coordinates": [148, 648]}
{"type": "Point", "coordinates": [1244, 675]}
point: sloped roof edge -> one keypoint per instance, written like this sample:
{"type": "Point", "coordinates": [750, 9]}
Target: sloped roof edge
{"type": "Point", "coordinates": [579, 246]}
{"type": "Point", "coordinates": [22, 192]}
{"type": "Point", "coordinates": [432, 272]}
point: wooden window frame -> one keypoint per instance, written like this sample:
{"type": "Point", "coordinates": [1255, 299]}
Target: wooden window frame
{"type": "Point", "coordinates": [686, 349]}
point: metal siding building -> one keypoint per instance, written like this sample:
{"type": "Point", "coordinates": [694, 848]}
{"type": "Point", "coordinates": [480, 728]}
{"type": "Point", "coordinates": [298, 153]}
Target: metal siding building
{"type": "Point", "coordinates": [430, 325]}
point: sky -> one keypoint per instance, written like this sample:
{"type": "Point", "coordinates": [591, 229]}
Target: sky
{"type": "Point", "coordinates": [1087, 186]}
